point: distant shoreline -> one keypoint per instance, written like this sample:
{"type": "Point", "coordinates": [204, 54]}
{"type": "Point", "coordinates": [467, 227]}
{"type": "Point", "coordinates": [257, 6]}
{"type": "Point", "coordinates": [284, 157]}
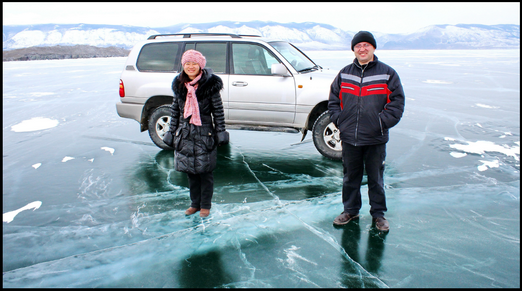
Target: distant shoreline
{"type": "Point", "coordinates": [63, 52]}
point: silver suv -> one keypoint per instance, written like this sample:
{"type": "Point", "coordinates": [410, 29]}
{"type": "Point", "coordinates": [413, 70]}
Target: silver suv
{"type": "Point", "coordinates": [268, 85]}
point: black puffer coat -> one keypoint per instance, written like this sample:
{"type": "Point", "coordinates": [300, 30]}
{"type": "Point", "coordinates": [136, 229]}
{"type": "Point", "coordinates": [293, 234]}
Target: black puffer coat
{"type": "Point", "coordinates": [195, 147]}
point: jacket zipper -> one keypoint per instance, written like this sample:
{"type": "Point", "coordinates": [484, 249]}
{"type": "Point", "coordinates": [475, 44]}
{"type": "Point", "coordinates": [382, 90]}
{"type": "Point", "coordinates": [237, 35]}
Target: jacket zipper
{"type": "Point", "coordinates": [380, 124]}
{"type": "Point", "coordinates": [358, 107]}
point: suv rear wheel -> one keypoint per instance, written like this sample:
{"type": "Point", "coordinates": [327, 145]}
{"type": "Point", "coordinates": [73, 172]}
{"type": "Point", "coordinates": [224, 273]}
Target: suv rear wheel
{"type": "Point", "coordinates": [159, 123]}
{"type": "Point", "coordinates": [326, 137]}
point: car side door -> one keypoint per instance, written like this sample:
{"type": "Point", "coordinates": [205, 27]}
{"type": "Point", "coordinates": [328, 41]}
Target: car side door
{"type": "Point", "coordinates": [255, 96]}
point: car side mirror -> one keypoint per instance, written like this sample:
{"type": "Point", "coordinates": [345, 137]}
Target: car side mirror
{"type": "Point", "coordinates": [280, 70]}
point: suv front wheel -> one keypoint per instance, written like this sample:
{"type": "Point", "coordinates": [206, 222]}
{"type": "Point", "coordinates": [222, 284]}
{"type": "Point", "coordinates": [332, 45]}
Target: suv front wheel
{"type": "Point", "coordinates": [326, 137]}
{"type": "Point", "coordinates": [159, 123]}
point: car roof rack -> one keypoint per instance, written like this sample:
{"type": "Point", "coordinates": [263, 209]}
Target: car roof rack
{"type": "Point", "coordinates": [189, 35]}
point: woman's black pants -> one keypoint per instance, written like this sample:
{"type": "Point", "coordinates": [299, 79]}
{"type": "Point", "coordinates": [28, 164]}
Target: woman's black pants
{"type": "Point", "coordinates": [201, 189]}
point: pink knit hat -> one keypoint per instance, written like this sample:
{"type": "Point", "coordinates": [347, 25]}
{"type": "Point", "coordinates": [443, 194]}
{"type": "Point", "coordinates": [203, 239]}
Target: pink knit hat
{"type": "Point", "coordinates": [193, 56]}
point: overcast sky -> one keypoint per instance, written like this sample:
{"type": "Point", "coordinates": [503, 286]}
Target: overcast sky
{"type": "Point", "coordinates": [405, 17]}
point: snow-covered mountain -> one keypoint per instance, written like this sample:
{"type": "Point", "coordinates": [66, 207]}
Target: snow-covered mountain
{"type": "Point", "coordinates": [308, 35]}
{"type": "Point", "coordinates": [461, 36]}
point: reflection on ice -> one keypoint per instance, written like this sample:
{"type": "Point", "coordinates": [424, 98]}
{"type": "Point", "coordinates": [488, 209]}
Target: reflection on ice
{"type": "Point", "coordinates": [265, 230]}
{"type": "Point", "coordinates": [269, 244]}
{"type": "Point", "coordinates": [168, 237]}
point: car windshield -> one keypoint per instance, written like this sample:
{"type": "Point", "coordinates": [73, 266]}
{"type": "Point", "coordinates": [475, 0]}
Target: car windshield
{"type": "Point", "coordinates": [295, 57]}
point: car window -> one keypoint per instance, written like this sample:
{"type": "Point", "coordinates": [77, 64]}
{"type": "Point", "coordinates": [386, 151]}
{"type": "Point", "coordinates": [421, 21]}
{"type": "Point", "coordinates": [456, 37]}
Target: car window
{"type": "Point", "coordinates": [190, 46]}
{"type": "Point", "coordinates": [294, 56]}
{"type": "Point", "coordinates": [252, 59]}
{"type": "Point", "coordinates": [158, 57]}
{"type": "Point", "coordinates": [215, 53]}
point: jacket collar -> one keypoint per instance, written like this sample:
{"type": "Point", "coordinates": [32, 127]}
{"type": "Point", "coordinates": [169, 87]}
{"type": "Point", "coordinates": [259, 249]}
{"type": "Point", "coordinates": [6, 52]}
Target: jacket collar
{"type": "Point", "coordinates": [203, 80]}
{"type": "Point", "coordinates": [208, 84]}
{"type": "Point", "coordinates": [370, 64]}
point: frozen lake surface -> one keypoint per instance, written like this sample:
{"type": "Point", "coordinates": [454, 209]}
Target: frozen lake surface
{"type": "Point", "coordinates": [89, 201]}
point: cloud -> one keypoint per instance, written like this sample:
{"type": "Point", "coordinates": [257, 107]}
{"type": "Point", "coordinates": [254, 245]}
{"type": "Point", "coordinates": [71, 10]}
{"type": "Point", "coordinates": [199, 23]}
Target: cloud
{"type": "Point", "coordinates": [377, 17]}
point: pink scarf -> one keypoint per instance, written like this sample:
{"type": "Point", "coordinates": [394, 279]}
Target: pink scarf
{"type": "Point", "coordinates": [191, 105]}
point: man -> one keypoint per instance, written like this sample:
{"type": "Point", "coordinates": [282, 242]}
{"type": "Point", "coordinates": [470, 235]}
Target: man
{"type": "Point", "coordinates": [366, 100]}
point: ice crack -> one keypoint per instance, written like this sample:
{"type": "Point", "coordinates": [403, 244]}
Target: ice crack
{"type": "Point", "coordinates": [276, 198]}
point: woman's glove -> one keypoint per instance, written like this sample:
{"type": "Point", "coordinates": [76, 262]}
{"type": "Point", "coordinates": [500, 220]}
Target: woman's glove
{"type": "Point", "coordinates": [168, 138]}
{"type": "Point", "coordinates": [222, 138]}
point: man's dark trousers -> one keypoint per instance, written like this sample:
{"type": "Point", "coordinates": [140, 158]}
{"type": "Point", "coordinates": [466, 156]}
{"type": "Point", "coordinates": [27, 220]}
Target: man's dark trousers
{"type": "Point", "coordinates": [355, 160]}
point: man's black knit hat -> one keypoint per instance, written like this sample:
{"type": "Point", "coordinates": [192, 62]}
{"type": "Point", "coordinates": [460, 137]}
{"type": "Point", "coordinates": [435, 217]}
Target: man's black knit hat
{"type": "Point", "coordinates": [363, 36]}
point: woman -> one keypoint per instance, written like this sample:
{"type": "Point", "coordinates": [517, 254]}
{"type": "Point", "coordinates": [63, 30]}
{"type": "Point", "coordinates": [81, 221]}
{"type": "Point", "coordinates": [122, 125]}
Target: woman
{"type": "Point", "coordinates": [197, 127]}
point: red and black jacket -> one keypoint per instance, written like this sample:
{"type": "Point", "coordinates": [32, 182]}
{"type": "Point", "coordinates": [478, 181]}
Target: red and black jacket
{"type": "Point", "coordinates": [365, 101]}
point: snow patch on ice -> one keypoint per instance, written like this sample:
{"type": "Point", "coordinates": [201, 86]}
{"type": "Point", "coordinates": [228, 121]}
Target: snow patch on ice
{"type": "Point", "coordinates": [65, 159]}
{"type": "Point", "coordinates": [9, 216]}
{"type": "Point", "coordinates": [487, 164]}
{"type": "Point", "coordinates": [40, 94]}
{"type": "Point", "coordinates": [505, 134]}
{"type": "Point", "coordinates": [110, 150]}
{"type": "Point", "coordinates": [486, 106]}
{"type": "Point", "coordinates": [458, 155]}
{"type": "Point", "coordinates": [481, 146]}
{"type": "Point", "coordinates": [34, 124]}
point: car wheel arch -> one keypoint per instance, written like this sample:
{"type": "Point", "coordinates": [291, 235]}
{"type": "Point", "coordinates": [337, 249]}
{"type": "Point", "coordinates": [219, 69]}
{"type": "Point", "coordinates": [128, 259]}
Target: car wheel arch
{"type": "Point", "coordinates": [315, 113]}
{"type": "Point", "coordinates": [151, 105]}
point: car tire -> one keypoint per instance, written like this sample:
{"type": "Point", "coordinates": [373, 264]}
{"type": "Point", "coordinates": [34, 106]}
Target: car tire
{"type": "Point", "coordinates": [326, 137]}
{"type": "Point", "coordinates": [159, 123]}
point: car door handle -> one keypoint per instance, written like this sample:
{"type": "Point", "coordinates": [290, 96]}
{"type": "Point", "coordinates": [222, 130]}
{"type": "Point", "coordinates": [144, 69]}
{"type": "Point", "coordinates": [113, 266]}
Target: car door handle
{"type": "Point", "coordinates": [239, 84]}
